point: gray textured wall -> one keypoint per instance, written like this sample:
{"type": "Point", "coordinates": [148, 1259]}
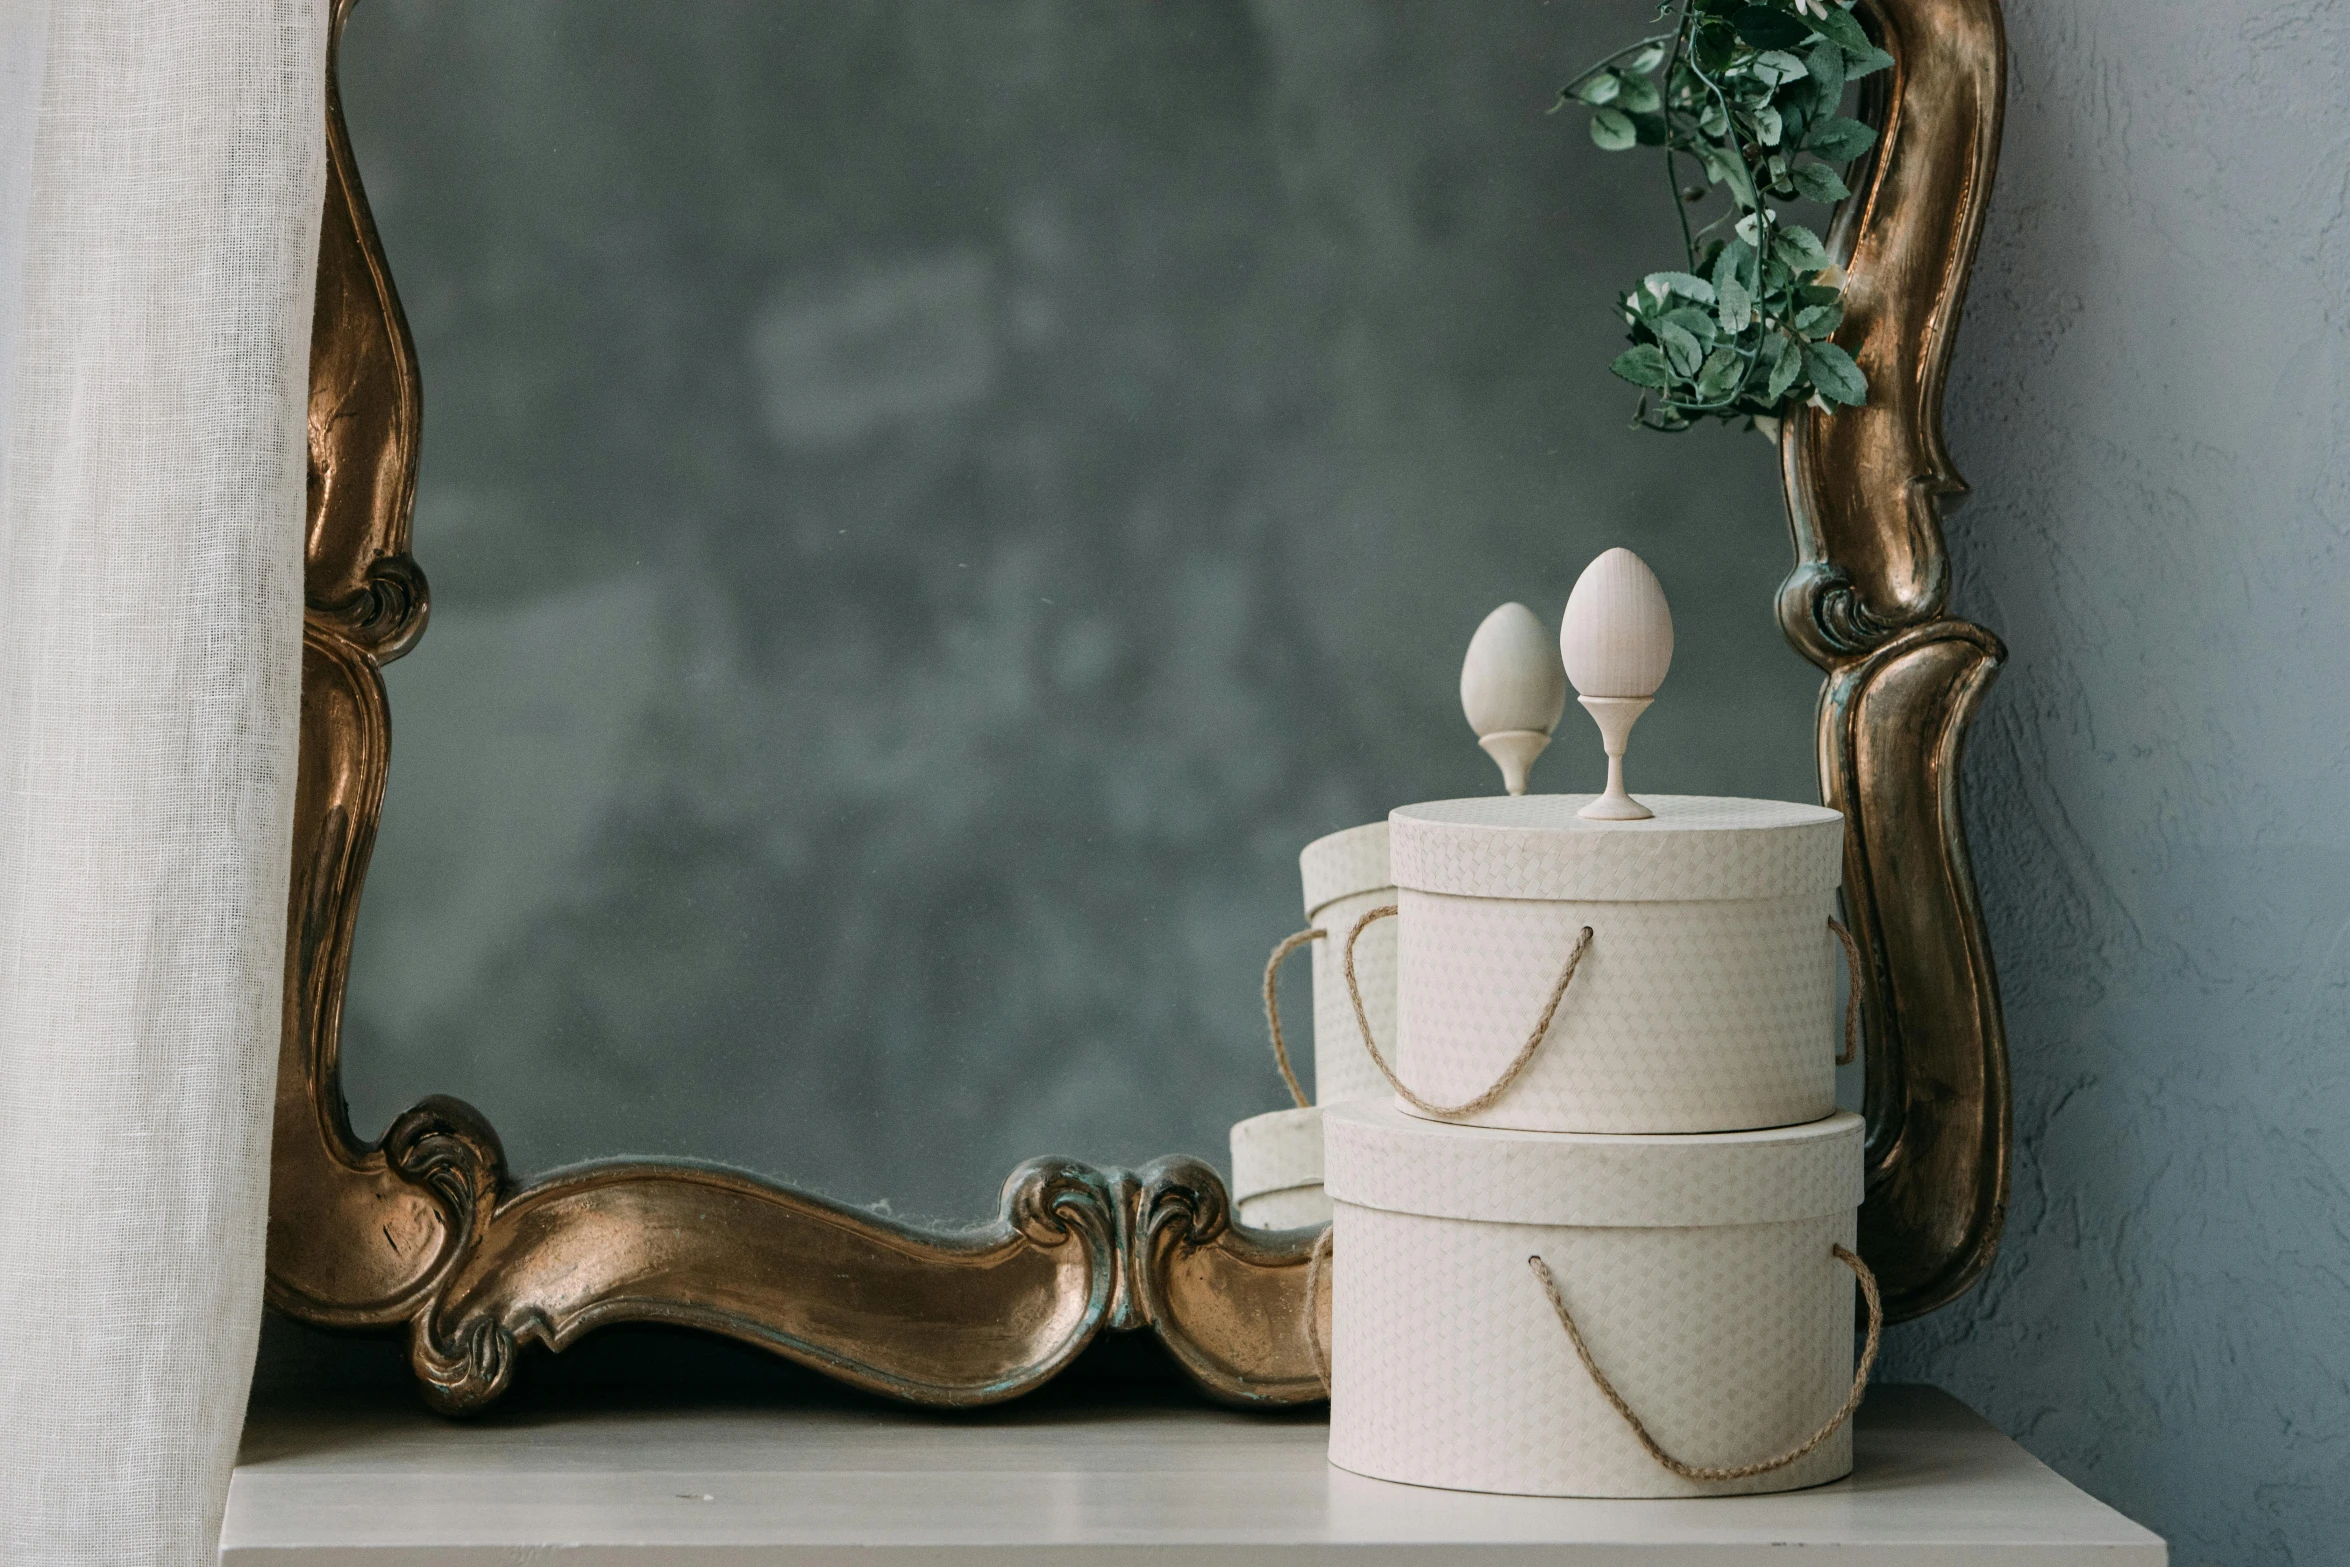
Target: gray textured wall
{"type": "Point", "coordinates": [929, 507]}
{"type": "Point", "coordinates": [2153, 401]}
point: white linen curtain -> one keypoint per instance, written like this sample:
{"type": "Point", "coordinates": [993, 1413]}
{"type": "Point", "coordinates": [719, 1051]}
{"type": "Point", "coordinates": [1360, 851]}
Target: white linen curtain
{"type": "Point", "coordinates": [161, 176]}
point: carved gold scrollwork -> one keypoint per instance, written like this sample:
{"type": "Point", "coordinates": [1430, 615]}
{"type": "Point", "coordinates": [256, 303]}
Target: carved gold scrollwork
{"type": "Point", "coordinates": [1866, 602]}
{"type": "Point", "coordinates": [933, 1319]}
{"type": "Point", "coordinates": [425, 1229]}
{"type": "Point", "coordinates": [1225, 1300]}
{"type": "Point", "coordinates": [1892, 725]}
{"type": "Point", "coordinates": [385, 614]}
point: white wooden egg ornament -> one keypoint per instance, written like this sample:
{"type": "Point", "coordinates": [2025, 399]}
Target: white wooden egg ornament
{"type": "Point", "coordinates": [1617, 643]}
{"type": "Point", "coordinates": [1512, 690]}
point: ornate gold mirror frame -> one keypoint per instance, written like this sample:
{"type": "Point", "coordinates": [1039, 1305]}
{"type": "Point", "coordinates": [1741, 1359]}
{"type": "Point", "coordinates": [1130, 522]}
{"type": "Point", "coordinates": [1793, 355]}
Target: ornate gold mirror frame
{"type": "Point", "coordinates": [426, 1229]}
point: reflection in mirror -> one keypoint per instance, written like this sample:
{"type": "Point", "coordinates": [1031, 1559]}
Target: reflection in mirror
{"type": "Point", "coordinates": [931, 505]}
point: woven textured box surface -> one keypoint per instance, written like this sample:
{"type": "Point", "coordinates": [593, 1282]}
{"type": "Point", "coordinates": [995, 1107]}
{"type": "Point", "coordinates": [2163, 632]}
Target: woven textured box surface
{"type": "Point", "coordinates": [1699, 1269]}
{"type": "Point", "coordinates": [1277, 1170]}
{"type": "Point", "coordinates": [1298, 1208]}
{"type": "Point", "coordinates": [1705, 1003]}
{"type": "Point", "coordinates": [1346, 876]}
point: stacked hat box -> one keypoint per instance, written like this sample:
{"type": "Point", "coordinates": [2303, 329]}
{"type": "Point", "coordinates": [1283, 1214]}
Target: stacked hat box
{"type": "Point", "coordinates": [1277, 1170]}
{"type": "Point", "coordinates": [1277, 1157]}
{"type": "Point", "coordinates": [1700, 1270]}
{"type": "Point", "coordinates": [1706, 1002]}
{"type": "Point", "coordinates": [1670, 1156]}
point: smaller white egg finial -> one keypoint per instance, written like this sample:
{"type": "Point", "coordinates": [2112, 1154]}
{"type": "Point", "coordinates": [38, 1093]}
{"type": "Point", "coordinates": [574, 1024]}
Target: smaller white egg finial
{"type": "Point", "coordinates": [1513, 690]}
{"type": "Point", "coordinates": [1616, 642]}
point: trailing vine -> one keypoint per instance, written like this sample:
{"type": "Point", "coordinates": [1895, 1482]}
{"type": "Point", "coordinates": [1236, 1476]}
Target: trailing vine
{"type": "Point", "coordinates": [1743, 96]}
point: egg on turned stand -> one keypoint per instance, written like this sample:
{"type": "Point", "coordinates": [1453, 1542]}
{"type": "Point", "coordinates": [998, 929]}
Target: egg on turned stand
{"type": "Point", "coordinates": [1616, 641]}
{"type": "Point", "coordinates": [1512, 690]}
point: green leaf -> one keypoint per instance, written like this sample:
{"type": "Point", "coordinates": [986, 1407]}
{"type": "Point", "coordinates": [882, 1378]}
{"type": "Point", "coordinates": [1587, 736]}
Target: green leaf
{"type": "Point", "coordinates": [1725, 169]}
{"type": "Point", "coordinates": [1786, 365]}
{"type": "Point", "coordinates": [1867, 64]}
{"type": "Point", "coordinates": [1719, 375]}
{"type": "Point", "coordinates": [1644, 366]}
{"type": "Point", "coordinates": [1734, 260]}
{"type": "Point", "coordinates": [1778, 67]}
{"type": "Point", "coordinates": [1839, 25]}
{"type": "Point", "coordinates": [1651, 129]}
{"type": "Point", "coordinates": [1766, 28]}
{"type": "Point", "coordinates": [1767, 125]}
{"type": "Point", "coordinates": [1680, 347]}
{"type": "Point", "coordinates": [1819, 320]}
{"type": "Point", "coordinates": [1601, 87]}
{"type": "Point", "coordinates": [1695, 320]}
{"type": "Point", "coordinates": [1839, 380]}
{"type": "Point", "coordinates": [1687, 286]}
{"type": "Point", "coordinates": [1640, 95]}
{"type": "Point", "coordinates": [1737, 305]}
{"type": "Point", "coordinates": [1645, 61]}
{"type": "Point", "coordinates": [1799, 247]}
{"type": "Point", "coordinates": [1840, 140]}
{"type": "Point", "coordinates": [1826, 67]}
{"type": "Point", "coordinates": [1612, 130]}
{"type": "Point", "coordinates": [1818, 182]}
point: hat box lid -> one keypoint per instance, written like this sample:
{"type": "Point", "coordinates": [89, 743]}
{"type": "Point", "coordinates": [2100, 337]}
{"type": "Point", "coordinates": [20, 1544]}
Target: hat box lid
{"type": "Point", "coordinates": [1695, 848]}
{"type": "Point", "coordinates": [1375, 1156]}
{"type": "Point", "coordinates": [1343, 865]}
{"type": "Point", "coordinates": [1276, 1151]}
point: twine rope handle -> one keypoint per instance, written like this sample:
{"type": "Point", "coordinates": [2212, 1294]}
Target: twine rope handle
{"type": "Point", "coordinates": [1273, 1009]}
{"type": "Point", "coordinates": [1501, 1084]}
{"type": "Point", "coordinates": [1851, 992]}
{"type": "Point", "coordinates": [1316, 1264]}
{"type": "Point", "coordinates": [1860, 1379]}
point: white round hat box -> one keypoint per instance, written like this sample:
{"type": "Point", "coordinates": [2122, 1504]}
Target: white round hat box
{"type": "Point", "coordinates": [1701, 1272]}
{"type": "Point", "coordinates": [1277, 1157]}
{"type": "Point", "coordinates": [1277, 1170]}
{"type": "Point", "coordinates": [1704, 1003]}
{"type": "Point", "coordinates": [1345, 877]}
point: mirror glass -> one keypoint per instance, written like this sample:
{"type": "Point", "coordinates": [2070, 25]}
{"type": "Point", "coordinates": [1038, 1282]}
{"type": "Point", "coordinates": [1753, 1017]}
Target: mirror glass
{"type": "Point", "coordinates": [930, 504]}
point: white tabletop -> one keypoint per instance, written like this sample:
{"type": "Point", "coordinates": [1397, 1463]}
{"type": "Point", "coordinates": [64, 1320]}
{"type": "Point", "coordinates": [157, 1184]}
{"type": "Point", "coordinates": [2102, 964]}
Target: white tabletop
{"type": "Point", "coordinates": [1107, 1481]}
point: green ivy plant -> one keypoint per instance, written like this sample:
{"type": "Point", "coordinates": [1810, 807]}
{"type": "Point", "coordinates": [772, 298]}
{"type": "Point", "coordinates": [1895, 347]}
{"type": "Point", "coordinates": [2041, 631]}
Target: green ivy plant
{"type": "Point", "coordinates": [1742, 94]}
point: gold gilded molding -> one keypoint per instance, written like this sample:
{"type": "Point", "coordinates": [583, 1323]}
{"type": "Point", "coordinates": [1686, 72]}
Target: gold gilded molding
{"type": "Point", "coordinates": [358, 1234]}
{"type": "Point", "coordinates": [1227, 1301]}
{"type": "Point", "coordinates": [426, 1229]}
{"type": "Point", "coordinates": [1866, 602]}
{"type": "Point", "coordinates": [932, 1319]}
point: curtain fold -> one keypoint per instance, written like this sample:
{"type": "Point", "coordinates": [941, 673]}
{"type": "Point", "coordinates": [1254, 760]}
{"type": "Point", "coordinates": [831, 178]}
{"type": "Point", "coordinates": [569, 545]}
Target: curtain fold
{"type": "Point", "coordinates": [161, 177]}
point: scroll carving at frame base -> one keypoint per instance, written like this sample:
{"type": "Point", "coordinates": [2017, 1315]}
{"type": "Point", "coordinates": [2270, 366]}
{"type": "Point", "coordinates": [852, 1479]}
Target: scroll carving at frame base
{"type": "Point", "coordinates": [932, 1319]}
{"type": "Point", "coordinates": [426, 1229]}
